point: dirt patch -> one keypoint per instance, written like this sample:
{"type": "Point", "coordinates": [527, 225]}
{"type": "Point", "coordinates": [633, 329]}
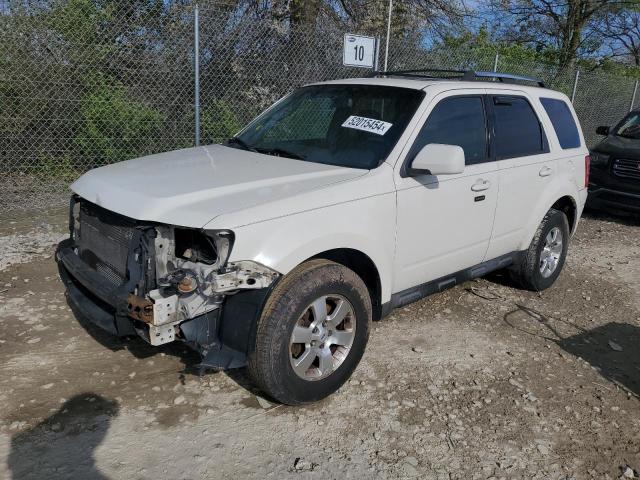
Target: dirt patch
{"type": "Point", "coordinates": [30, 237]}
{"type": "Point", "coordinates": [482, 381]}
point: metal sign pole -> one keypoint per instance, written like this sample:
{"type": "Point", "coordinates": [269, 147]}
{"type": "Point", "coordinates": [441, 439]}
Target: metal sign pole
{"type": "Point", "coordinates": [386, 49]}
{"type": "Point", "coordinates": [495, 63]}
{"type": "Point", "coordinates": [377, 59]}
{"type": "Point", "coordinates": [633, 97]}
{"type": "Point", "coordinates": [196, 28]}
{"type": "Point", "coordinates": [575, 86]}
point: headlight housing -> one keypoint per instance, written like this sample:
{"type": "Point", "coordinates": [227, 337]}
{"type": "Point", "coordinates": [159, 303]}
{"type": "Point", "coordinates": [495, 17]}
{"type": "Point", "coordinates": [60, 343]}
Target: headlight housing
{"type": "Point", "coordinates": [223, 241]}
{"type": "Point", "coordinates": [211, 247]}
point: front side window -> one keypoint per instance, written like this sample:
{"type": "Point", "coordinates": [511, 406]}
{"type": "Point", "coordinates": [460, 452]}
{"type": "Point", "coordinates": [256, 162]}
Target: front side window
{"type": "Point", "coordinates": [353, 126]}
{"type": "Point", "coordinates": [518, 132]}
{"type": "Point", "coordinates": [456, 121]}
{"type": "Point", "coordinates": [629, 127]}
{"type": "Point", "coordinates": [562, 121]}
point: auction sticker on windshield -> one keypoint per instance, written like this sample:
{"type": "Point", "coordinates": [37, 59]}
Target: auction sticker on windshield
{"type": "Point", "coordinates": [367, 124]}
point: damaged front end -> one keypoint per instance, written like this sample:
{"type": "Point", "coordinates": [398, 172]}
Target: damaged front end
{"type": "Point", "coordinates": [163, 283]}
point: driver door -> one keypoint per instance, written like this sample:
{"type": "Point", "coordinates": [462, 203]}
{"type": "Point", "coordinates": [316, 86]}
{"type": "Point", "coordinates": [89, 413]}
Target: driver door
{"type": "Point", "coordinates": [444, 222]}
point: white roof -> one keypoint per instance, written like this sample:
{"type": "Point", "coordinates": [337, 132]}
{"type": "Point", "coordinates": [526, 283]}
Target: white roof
{"type": "Point", "coordinates": [414, 83]}
{"type": "Point", "coordinates": [417, 83]}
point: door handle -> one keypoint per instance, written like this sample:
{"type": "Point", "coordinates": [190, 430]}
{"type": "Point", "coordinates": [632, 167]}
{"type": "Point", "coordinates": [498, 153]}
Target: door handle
{"type": "Point", "coordinates": [545, 171]}
{"type": "Point", "coordinates": [481, 185]}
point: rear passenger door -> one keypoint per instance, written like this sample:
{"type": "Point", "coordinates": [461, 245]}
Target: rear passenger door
{"type": "Point", "coordinates": [525, 166]}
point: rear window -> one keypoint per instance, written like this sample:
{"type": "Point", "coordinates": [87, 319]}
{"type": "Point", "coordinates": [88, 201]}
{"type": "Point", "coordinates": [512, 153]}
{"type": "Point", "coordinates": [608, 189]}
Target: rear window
{"type": "Point", "coordinates": [563, 123]}
{"type": "Point", "coordinates": [518, 132]}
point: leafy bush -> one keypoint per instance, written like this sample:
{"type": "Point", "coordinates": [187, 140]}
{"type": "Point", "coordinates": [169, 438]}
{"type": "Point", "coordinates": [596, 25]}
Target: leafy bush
{"type": "Point", "coordinates": [218, 122]}
{"type": "Point", "coordinates": [60, 168]}
{"type": "Point", "coordinates": [114, 127]}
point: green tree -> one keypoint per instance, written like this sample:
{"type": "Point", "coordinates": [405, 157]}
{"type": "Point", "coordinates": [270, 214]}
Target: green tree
{"type": "Point", "coordinates": [570, 28]}
{"type": "Point", "coordinates": [113, 126]}
{"type": "Point", "coordinates": [218, 122]}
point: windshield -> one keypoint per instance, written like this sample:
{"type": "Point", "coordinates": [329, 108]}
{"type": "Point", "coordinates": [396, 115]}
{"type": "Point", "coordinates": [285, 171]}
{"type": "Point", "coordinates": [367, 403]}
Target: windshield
{"type": "Point", "coordinates": [347, 125]}
{"type": "Point", "coordinates": [629, 127]}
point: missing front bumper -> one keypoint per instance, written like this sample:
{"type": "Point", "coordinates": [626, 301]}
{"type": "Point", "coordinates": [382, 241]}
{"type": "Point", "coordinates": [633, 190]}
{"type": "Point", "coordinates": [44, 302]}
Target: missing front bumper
{"type": "Point", "coordinates": [224, 336]}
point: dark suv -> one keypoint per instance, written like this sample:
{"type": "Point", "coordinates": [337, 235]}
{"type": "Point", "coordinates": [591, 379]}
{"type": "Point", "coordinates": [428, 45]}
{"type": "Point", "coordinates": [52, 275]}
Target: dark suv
{"type": "Point", "coordinates": [615, 167]}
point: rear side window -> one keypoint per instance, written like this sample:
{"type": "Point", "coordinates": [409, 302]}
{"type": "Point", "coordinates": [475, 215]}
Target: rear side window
{"type": "Point", "coordinates": [518, 132]}
{"type": "Point", "coordinates": [563, 123]}
{"type": "Point", "coordinates": [456, 121]}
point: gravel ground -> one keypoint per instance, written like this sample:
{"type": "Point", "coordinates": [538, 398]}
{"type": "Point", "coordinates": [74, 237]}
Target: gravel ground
{"type": "Point", "coordinates": [482, 381]}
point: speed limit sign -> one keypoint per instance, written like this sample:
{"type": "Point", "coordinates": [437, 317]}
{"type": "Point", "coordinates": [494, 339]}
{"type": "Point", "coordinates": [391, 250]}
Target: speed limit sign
{"type": "Point", "coordinates": [359, 51]}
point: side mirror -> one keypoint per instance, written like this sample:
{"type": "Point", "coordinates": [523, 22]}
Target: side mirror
{"type": "Point", "coordinates": [438, 159]}
{"type": "Point", "coordinates": [602, 130]}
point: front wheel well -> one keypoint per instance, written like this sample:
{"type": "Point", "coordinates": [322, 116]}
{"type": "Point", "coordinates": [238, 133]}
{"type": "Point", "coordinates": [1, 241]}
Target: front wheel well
{"type": "Point", "coordinates": [364, 267]}
{"type": "Point", "coordinates": [567, 205]}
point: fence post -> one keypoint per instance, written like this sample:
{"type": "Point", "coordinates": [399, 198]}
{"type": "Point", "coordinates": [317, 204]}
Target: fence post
{"type": "Point", "coordinates": [376, 64]}
{"type": "Point", "coordinates": [633, 97]}
{"type": "Point", "coordinates": [196, 53]}
{"type": "Point", "coordinates": [575, 86]}
{"type": "Point", "coordinates": [495, 63]}
{"type": "Point", "coordinates": [386, 49]}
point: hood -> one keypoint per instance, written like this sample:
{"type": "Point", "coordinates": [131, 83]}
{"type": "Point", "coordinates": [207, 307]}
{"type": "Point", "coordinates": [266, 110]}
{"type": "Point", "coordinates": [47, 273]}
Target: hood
{"type": "Point", "coordinates": [619, 147]}
{"type": "Point", "coordinates": [191, 187]}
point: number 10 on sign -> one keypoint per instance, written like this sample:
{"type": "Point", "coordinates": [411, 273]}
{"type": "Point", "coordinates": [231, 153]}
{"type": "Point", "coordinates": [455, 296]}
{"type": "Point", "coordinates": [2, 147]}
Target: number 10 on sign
{"type": "Point", "coordinates": [359, 51]}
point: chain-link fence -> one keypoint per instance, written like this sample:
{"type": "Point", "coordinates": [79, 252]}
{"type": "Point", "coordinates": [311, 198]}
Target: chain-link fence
{"type": "Point", "coordinates": [85, 83]}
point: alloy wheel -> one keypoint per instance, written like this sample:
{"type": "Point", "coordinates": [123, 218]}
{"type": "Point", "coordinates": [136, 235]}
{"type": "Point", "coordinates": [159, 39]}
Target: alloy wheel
{"type": "Point", "coordinates": [551, 252]}
{"type": "Point", "coordinates": [322, 337]}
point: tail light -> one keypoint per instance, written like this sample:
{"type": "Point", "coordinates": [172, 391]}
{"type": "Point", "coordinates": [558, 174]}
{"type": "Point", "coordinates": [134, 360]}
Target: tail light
{"type": "Point", "coordinates": [587, 167]}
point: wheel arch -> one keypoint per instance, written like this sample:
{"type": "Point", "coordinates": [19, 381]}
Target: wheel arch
{"type": "Point", "coordinates": [568, 205]}
{"type": "Point", "coordinates": [364, 267]}
{"type": "Point", "coordinates": [365, 250]}
{"type": "Point", "coordinates": [561, 200]}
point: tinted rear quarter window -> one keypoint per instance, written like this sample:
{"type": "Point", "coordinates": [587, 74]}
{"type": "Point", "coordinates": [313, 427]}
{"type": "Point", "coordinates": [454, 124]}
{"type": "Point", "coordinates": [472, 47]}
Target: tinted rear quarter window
{"type": "Point", "coordinates": [518, 132]}
{"type": "Point", "coordinates": [563, 122]}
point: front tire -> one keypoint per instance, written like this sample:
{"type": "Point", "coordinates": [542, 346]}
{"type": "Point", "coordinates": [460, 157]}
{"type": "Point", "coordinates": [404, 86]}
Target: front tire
{"type": "Point", "coordinates": [312, 333]}
{"type": "Point", "coordinates": [541, 264]}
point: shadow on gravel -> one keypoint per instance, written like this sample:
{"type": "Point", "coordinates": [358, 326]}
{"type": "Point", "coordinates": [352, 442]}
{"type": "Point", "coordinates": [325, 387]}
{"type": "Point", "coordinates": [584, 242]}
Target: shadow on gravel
{"type": "Point", "coordinates": [141, 349]}
{"type": "Point", "coordinates": [624, 218]}
{"type": "Point", "coordinates": [135, 345]}
{"type": "Point", "coordinates": [241, 378]}
{"type": "Point", "coordinates": [62, 446]}
{"type": "Point", "coordinates": [614, 348]}
{"type": "Point", "coordinates": [501, 277]}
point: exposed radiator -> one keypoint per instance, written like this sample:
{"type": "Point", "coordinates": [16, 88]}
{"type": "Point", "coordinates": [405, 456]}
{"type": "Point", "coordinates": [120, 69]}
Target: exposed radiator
{"type": "Point", "coordinates": [104, 241]}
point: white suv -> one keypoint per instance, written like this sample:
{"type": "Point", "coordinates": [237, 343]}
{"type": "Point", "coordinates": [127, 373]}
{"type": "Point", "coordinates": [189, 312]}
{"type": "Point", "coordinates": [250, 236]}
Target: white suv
{"type": "Point", "coordinates": [342, 201]}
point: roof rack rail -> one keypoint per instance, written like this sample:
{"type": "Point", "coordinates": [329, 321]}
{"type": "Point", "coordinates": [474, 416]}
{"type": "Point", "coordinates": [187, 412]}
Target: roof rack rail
{"type": "Point", "coordinates": [468, 75]}
{"type": "Point", "coordinates": [501, 77]}
{"type": "Point", "coordinates": [419, 73]}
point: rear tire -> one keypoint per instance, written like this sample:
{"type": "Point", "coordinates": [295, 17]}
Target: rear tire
{"type": "Point", "coordinates": [540, 265]}
{"type": "Point", "coordinates": [312, 333]}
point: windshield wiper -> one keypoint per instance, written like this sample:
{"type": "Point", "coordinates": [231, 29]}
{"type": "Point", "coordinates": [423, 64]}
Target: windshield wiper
{"type": "Point", "coordinates": [242, 143]}
{"type": "Point", "coordinates": [280, 152]}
